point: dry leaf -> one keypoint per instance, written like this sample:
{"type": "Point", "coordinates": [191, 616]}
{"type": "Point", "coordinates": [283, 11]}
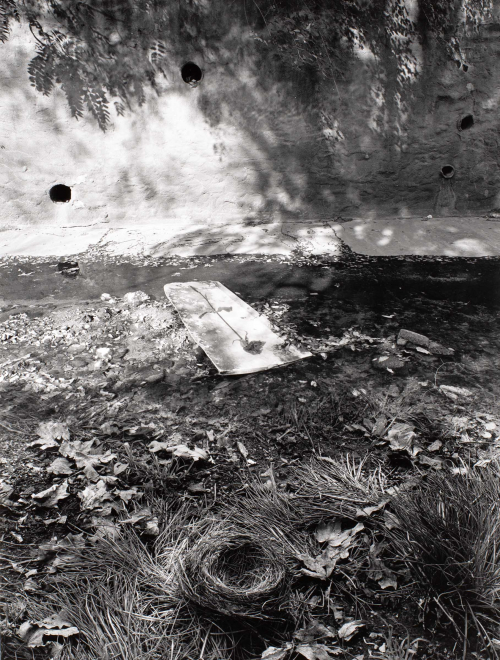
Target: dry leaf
{"type": "Point", "coordinates": [53, 626]}
{"type": "Point", "coordinates": [400, 437]}
{"type": "Point", "coordinates": [274, 653]}
{"type": "Point", "coordinates": [436, 463]}
{"type": "Point", "coordinates": [349, 629]}
{"type": "Point", "coordinates": [242, 449]}
{"type": "Point", "coordinates": [60, 466]}
{"type": "Point", "coordinates": [53, 494]}
{"type": "Point", "coordinates": [49, 433]}
{"type": "Point", "coordinates": [317, 651]}
{"type": "Point", "coordinates": [93, 496]}
{"type": "Point", "coordinates": [435, 446]}
{"type": "Point", "coordinates": [388, 582]}
{"type": "Point", "coordinates": [127, 495]}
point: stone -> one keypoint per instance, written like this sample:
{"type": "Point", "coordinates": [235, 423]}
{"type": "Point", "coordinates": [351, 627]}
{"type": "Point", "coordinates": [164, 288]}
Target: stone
{"type": "Point", "coordinates": [103, 353]}
{"type": "Point", "coordinates": [391, 363]}
{"type": "Point", "coordinates": [409, 337]}
{"type": "Point", "coordinates": [79, 363]}
{"type": "Point", "coordinates": [68, 268]}
{"type": "Point", "coordinates": [74, 349]}
{"type": "Point", "coordinates": [135, 298]}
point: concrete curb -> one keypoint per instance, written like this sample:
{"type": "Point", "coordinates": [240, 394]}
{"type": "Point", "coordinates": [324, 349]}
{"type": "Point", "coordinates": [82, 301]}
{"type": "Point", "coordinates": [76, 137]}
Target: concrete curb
{"type": "Point", "coordinates": [386, 236]}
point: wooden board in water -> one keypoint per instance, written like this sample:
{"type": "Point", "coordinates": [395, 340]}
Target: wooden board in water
{"type": "Point", "coordinates": [235, 337]}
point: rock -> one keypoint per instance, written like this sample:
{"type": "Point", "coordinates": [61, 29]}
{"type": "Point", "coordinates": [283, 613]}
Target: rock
{"type": "Point", "coordinates": [409, 337]}
{"type": "Point", "coordinates": [79, 363]}
{"type": "Point", "coordinates": [74, 349]}
{"type": "Point", "coordinates": [68, 268]}
{"type": "Point", "coordinates": [120, 352]}
{"type": "Point", "coordinates": [135, 298]}
{"type": "Point", "coordinates": [103, 353]}
{"type": "Point", "coordinates": [134, 376]}
{"type": "Point", "coordinates": [391, 363]}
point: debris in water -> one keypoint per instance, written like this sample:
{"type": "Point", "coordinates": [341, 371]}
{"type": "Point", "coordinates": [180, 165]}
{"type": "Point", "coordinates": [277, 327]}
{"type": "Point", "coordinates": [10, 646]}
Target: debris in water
{"type": "Point", "coordinates": [235, 337]}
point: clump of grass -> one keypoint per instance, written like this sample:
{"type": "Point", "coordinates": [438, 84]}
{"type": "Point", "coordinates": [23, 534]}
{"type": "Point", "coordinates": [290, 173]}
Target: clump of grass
{"type": "Point", "coordinates": [449, 534]}
{"type": "Point", "coordinates": [337, 489]}
{"type": "Point", "coordinates": [404, 650]}
{"type": "Point", "coordinates": [208, 588]}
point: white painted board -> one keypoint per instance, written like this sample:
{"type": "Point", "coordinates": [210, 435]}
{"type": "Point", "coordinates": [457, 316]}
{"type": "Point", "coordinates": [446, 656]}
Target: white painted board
{"type": "Point", "coordinates": [235, 337]}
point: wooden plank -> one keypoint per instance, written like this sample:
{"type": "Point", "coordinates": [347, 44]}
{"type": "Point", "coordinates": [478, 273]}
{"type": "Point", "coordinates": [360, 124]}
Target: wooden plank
{"type": "Point", "coordinates": [235, 337]}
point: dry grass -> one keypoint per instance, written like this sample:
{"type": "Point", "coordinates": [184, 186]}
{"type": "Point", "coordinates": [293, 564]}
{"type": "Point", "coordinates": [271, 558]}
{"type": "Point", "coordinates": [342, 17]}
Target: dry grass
{"type": "Point", "coordinates": [449, 534]}
{"type": "Point", "coordinates": [337, 489]}
{"type": "Point", "coordinates": [234, 573]}
{"type": "Point", "coordinates": [207, 589]}
{"type": "Point", "coordinates": [222, 587]}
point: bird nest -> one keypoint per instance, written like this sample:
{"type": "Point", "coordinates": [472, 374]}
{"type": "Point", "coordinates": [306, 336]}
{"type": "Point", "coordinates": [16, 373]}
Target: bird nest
{"type": "Point", "coordinates": [236, 573]}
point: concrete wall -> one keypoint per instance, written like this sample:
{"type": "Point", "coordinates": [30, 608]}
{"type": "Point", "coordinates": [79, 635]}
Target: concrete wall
{"type": "Point", "coordinates": [254, 144]}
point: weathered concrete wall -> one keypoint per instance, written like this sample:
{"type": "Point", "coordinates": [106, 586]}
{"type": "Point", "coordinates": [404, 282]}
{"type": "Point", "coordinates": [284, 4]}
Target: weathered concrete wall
{"type": "Point", "coordinates": [250, 144]}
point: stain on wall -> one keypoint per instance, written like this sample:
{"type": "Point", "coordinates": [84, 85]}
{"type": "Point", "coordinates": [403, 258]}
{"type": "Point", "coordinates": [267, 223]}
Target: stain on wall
{"type": "Point", "coordinates": [253, 142]}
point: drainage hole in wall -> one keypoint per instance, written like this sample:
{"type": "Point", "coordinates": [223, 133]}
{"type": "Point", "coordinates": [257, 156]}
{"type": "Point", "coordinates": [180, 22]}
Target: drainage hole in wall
{"type": "Point", "coordinates": [191, 73]}
{"type": "Point", "coordinates": [465, 123]}
{"type": "Point", "coordinates": [448, 171]}
{"type": "Point", "coordinates": [60, 193]}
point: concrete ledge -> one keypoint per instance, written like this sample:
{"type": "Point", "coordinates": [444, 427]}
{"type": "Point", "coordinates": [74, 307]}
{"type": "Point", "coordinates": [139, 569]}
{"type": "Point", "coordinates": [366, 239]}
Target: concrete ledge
{"type": "Point", "coordinates": [450, 236]}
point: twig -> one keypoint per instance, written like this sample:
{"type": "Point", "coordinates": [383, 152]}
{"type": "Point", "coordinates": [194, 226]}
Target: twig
{"type": "Point", "coordinates": [25, 357]}
{"type": "Point", "coordinates": [9, 428]}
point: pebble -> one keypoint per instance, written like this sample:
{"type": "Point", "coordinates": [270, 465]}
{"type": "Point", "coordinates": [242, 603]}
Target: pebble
{"type": "Point", "coordinates": [103, 353]}
{"type": "Point", "coordinates": [135, 298]}
{"type": "Point", "coordinates": [390, 362]}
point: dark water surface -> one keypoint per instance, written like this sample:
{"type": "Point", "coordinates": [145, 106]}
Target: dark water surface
{"type": "Point", "coordinates": [369, 281]}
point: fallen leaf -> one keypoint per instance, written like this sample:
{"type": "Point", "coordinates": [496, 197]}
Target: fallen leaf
{"type": "Point", "coordinates": [31, 585]}
{"type": "Point", "coordinates": [53, 494]}
{"type": "Point", "coordinates": [314, 631]}
{"type": "Point", "coordinates": [127, 495]}
{"type": "Point", "coordinates": [93, 496]}
{"type": "Point", "coordinates": [348, 630]}
{"type": "Point", "coordinates": [331, 533]}
{"type": "Point", "coordinates": [368, 510]}
{"type": "Point", "coordinates": [56, 651]}
{"type": "Point", "coordinates": [436, 463]}
{"type": "Point", "coordinates": [197, 488]}
{"type": "Point", "coordinates": [390, 520]}
{"type": "Point", "coordinates": [61, 520]}
{"type": "Point", "coordinates": [453, 392]}
{"type": "Point", "coordinates": [242, 449]}
{"type": "Point", "coordinates": [49, 433]}
{"type": "Point", "coordinates": [400, 437]}
{"type": "Point", "coordinates": [317, 651]}
{"type": "Point", "coordinates": [435, 446]}
{"type": "Point", "coordinates": [60, 466]}
{"type": "Point", "coordinates": [181, 451]}
{"type": "Point", "coordinates": [388, 582]}
{"type": "Point", "coordinates": [276, 653]}
{"type": "Point", "coordinates": [33, 633]}
{"type": "Point", "coordinates": [55, 621]}
{"type": "Point", "coordinates": [90, 473]}
{"type": "Point", "coordinates": [6, 491]}
{"type": "Point", "coordinates": [105, 528]}
{"type": "Point", "coordinates": [148, 522]}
